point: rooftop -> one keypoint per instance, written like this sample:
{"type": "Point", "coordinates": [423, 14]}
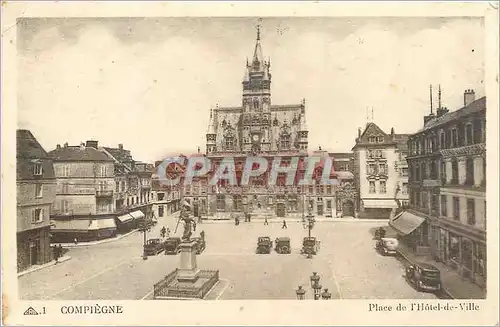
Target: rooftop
{"type": "Point", "coordinates": [473, 107]}
{"type": "Point", "coordinates": [78, 153]}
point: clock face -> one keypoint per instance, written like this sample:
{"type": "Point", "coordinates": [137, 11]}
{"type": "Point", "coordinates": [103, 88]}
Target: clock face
{"type": "Point", "coordinates": [256, 137]}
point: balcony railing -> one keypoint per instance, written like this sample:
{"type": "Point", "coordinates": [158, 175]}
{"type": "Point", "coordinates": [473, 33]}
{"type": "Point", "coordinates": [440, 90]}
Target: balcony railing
{"type": "Point", "coordinates": [431, 182]}
{"type": "Point", "coordinates": [103, 193]}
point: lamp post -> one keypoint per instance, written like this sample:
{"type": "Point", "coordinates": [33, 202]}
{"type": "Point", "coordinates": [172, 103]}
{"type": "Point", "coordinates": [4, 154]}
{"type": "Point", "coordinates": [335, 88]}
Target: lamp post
{"type": "Point", "coordinates": [314, 279]}
{"type": "Point", "coordinates": [326, 295]}
{"type": "Point", "coordinates": [309, 225]}
{"type": "Point", "coordinates": [317, 291]}
{"type": "Point", "coordinates": [300, 293]}
{"type": "Point", "coordinates": [144, 229]}
{"type": "Point", "coordinates": [316, 286]}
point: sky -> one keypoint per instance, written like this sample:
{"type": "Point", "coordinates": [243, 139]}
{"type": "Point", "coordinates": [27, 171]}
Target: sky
{"type": "Point", "coordinates": [149, 83]}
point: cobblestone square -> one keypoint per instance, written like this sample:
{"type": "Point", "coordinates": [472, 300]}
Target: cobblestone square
{"type": "Point", "coordinates": [348, 265]}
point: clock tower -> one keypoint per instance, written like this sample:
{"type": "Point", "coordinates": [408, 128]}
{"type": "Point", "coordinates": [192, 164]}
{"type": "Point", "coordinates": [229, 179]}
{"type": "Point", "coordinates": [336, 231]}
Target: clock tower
{"type": "Point", "coordinates": [256, 101]}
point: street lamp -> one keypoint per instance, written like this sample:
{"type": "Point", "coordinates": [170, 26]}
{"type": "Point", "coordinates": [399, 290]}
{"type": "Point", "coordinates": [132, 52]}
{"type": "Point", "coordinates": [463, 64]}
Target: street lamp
{"type": "Point", "coordinates": [144, 229]}
{"type": "Point", "coordinates": [317, 291]}
{"type": "Point", "coordinates": [326, 295]}
{"type": "Point", "coordinates": [314, 279]}
{"type": "Point", "coordinates": [300, 293]}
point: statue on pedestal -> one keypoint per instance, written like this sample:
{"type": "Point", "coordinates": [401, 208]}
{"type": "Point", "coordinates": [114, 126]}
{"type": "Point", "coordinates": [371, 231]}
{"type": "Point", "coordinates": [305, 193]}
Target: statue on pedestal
{"type": "Point", "coordinates": [188, 222]}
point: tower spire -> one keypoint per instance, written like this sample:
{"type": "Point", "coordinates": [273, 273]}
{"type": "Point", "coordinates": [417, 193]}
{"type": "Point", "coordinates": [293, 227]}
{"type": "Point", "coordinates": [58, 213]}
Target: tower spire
{"type": "Point", "coordinates": [258, 31]}
{"type": "Point", "coordinates": [257, 54]}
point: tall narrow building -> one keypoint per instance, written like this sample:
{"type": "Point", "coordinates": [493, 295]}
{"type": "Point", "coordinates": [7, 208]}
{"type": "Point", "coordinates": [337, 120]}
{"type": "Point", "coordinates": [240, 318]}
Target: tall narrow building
{"type": "Point", "coordinates": [36, 191]}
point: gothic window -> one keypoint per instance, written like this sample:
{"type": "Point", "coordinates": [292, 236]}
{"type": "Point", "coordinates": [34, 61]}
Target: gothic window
{"type": "Point", "coordinates": [255, 104]}
{"type": "Point", "coordinates": [229, 143]}
{"type": "Point", "coordinates": [285, 142]}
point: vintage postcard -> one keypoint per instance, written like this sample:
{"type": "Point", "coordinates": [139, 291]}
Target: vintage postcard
{"type": "Point", "coordinates": [293, 163]}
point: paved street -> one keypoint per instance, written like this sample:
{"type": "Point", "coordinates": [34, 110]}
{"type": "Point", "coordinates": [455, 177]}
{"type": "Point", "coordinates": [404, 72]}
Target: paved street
{"type": "Point", "coordinates": [347, 263]}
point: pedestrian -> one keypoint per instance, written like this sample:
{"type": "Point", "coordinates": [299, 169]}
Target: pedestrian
{"type": "Point", "coordinates": [168, 232]}
{"type": "Point", "coordinates": [194, 226]}
{"type": "Point", "coordinates": [61, 251]}
{"type": "Point", "coordinates": [56, 254]}
{"type": "Point", "coordinates": [284, 225]}
{"type": "Point", "coordinates": [76, 241]}
{"type": "Point", "coordinates": [163, 232]}
{"type": "Point", "coordinates": [265, 221]}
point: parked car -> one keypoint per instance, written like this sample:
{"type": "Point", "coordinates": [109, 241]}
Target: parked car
{"type": "Point", "coordinates": [424, 276]}
{"type": "Point", "coordinates": [154, 246]}
{"type": "Point", "coordinates": [310, 246]}
{"type": "Point", "coordinates": [172, 245]}
{"type": "Point", "coordinates": [200, 244]}
{"type": "Point", "coordinates": [387, 246]}
{"type": "Point", "coordinates": [282, 245]}
{"type": "Point", "coordinates": [264, 245]}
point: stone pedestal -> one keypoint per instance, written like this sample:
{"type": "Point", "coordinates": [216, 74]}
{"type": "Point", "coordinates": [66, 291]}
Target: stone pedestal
{"type": "Point", "coordinates": [188, 271]}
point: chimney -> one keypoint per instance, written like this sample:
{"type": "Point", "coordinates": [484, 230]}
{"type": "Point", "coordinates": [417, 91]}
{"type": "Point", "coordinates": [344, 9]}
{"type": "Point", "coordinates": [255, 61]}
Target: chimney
{"type": "Point", "coordinates": [392, 130]}
{"type": "Point", "coordinates": [469, 97]}
{"type": "Point", "coordinates": [82, 146]}
{"type": "Point", "coordinates": [66, 144]}
{"type": "Point", "coordinates": [120, 146]}
{"type": "Point", "coordinates": [58, 146]}
{"type": "Point", "coordinates": [442, 111]}
{"type": "Point", "coordinates": [92, 144]}
{"type": "Point", "coordinates": [359, 131]}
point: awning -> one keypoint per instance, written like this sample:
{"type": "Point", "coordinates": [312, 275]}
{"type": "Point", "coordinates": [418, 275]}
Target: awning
{"type": "Point", "coordinates": [137, 214]}
{"type": "Point", "coordinates": [125, 218]}
{"type": "Point", "coordinates": [75, 225]}
{"type": "Point", "coordinates": [380, 203]}
{"type": "Point", "coordinates": [106, 223]}
{"type": "Point", "coordinates": [406, 222]}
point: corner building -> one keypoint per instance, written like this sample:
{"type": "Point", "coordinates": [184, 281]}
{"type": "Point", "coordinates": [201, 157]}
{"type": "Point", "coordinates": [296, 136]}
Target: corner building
{"type": "Point", "coordinates": [36, 191]}
{"type": "Point", "coordinates": [447, 213]}
{"type": "Point", "coordinates": [260, 128]}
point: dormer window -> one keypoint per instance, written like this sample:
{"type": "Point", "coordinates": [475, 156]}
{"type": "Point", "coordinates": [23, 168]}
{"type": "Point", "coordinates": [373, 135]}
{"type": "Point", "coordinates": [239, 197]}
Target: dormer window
{"type": "Point", "coordinates": [37, 169]}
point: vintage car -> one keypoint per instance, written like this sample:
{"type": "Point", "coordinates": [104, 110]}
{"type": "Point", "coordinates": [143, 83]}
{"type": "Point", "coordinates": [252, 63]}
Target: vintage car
{"type": "Point", "coordinates": [282, 245]}
{"type": "Point", "coordinates": [200, 244]}
{"type": "Point", "coordinates": [154, 246]}
{"type": "Point", "coordinates": [264, 245]}
{"type": "Point", "coordinates": [424, 276]}
{"type": "Point", "coordinates": [387, 246]}
{"type": "Point", "coordinates": [172, 245]}
{"type": "Point", "coordinates": [309, 245]}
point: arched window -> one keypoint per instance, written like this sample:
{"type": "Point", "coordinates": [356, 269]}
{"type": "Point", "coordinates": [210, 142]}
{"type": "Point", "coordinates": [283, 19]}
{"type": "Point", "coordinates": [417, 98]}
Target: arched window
{"type": "Point", "coordinates": [256, 104]}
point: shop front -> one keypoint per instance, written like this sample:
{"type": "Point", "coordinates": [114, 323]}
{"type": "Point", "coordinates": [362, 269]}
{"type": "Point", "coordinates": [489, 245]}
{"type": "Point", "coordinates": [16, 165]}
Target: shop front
{"type": "Point", "coordinates": [377, 208]}
{"type": "Point", "coordinates": [82, 230]}
{"type": "Point", "coordinates": [463, 253]}
{"type": "Point", "coordinates": [413, 232]}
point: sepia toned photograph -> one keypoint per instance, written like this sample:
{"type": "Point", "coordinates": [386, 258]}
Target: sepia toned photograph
{"type": "Point", "coordinates": [252, 157]}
